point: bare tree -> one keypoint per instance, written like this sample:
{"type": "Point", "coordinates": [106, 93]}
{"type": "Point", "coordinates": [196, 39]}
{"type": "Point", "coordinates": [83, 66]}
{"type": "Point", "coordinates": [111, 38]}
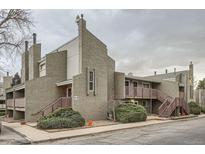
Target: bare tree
{"type": "Point", "coordinates": [15, 27]}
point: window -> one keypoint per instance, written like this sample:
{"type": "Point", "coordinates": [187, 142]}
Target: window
{"type": "Point", "coordinates": [135, 84]}
{"type": "Point", "coordinates": [126, 83]}
{"type": "Point", "coordinates": [42, 69]}
{"type": "Point", "coordinates": [144, 103]}
{"type": "Point", "coordinates": [91, 81]}
{"type": "Point", "coordinates": [146, 85]}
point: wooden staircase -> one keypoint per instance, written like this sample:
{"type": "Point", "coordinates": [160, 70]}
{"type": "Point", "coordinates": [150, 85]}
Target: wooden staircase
{"type": "Point", "coordinates": [170, 104]}
{"type": "Point", "coordinates": [61, 102]}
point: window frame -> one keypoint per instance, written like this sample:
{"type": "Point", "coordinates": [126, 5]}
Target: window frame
{"type": "Point", "coordinates": [91, 82]}
{"type": "Point", "coordinates": [146, 83]}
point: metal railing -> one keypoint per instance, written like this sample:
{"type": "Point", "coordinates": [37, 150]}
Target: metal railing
{"type": "Point", "coordinates": [177, 102]}
{"type": "Point", "coordinates": [168, 105]}
{"type": "Point", "coordinates": [61, 102]}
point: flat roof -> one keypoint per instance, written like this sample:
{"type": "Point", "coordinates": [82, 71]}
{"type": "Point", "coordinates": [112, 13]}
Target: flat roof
{"type": "Point", "coordinates": [63, 83]}
{"type": "Point", "coordinates": [16, 87]}
{"type": "Point", "coordinates": [142, 79]}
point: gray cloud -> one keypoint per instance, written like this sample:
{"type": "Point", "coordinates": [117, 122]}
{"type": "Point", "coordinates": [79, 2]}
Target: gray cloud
{"type": "Point", "coordinates": [140, 41]}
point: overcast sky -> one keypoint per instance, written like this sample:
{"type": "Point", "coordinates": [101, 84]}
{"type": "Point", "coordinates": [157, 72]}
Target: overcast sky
{"type": "Point", "coordinates": [140, 41]}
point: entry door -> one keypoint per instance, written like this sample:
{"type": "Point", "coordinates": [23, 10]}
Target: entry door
{"type": "Point", "coordinates": [69, 92]}
{"type": "Point", "coordinates": [127, 88]}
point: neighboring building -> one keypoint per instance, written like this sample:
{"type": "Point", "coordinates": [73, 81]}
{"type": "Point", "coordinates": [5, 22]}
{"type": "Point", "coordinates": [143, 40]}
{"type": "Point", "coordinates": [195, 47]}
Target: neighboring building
{"type": "Point", "coordinates": [82, 70]}
{"type": "Point", "coordinates": [2, 98]}
{"type": "Point", "coordinates": [173, 90]}
{"type": "Point", "coordinates": [200, 97]}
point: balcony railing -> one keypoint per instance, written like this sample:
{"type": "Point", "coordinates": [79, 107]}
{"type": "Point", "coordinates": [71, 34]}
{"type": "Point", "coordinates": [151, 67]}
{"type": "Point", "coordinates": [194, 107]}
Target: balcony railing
{"type": "Point", "coordinates": [19, 103]}
{"type": "Point", "coordinates": [10, 103]}
{"type": "Point", "coordinates": [140, 92]}
{"type": "Point", "coordinates": [2, 106]}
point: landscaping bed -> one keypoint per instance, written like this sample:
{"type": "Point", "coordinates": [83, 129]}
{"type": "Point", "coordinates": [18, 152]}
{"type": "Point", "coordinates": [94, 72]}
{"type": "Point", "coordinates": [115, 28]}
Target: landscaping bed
{"type": "Point", "coordinates": [194, 108]}
{"type": "Point", "coordinates": [2, 113]}
{"type": "Point", "coordinates": [62, 118]}
{"type": "Point", "coordinates": [129, 112]}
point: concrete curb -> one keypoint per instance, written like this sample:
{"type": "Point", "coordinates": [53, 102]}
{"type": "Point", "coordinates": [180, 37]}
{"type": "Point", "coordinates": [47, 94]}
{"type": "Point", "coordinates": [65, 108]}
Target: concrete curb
{"type": "Point", "coordinates": [105, 131]}
{"type": "Point", "coordinates": [92, 134]}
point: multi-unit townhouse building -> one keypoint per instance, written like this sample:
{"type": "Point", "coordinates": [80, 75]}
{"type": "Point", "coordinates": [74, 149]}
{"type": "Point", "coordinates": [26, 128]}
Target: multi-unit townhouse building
{"type": "Point", "coordinates": [82, 75]}
{"type": "Point", "coordinates": [161, 93]}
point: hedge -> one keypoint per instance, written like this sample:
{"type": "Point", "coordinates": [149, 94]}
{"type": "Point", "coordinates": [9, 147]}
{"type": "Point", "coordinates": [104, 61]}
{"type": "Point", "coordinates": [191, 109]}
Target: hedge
{"type": "Point", "coordinates": [62, 118]}
{"type": "Point", "coordinates": [2, 113]}
{"type": "Point", "coordinates": [129, 112]}
{"type": "Point", "coordinates": [203, 109]}
{"type": "Point", "coordinates": [194, 108]}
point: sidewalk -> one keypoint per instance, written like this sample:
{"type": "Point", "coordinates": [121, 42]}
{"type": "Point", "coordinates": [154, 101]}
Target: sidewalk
{"type": "Point", "coordinates": [35, 135]}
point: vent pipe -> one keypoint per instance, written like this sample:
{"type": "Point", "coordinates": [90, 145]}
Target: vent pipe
{"type": "Point", "coordinates": [26, 45]}
{"type": "Point", "coordinates": [34, 38]}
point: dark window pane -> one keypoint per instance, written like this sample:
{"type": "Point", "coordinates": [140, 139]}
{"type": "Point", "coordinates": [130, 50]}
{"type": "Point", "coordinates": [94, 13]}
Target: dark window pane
{"type": "Point", "coordinates": [135, 84]}
{"type": "Point", "coordinates": [91, 86]}
{"type": "Point", "coordinates": [126, 83]}
{"type": "Point", "coordinates": [91, 76]}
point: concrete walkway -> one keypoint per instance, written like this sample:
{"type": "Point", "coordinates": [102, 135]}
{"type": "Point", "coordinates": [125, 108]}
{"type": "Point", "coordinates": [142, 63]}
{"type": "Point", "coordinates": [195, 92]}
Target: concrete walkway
{"type": "Point", "coordinates": [35, 135]}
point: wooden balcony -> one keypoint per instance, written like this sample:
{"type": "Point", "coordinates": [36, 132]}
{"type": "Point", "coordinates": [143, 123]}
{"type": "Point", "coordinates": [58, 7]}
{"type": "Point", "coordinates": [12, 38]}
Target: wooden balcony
{"type": "Point", "coordinates": [19, 104]}
{"type": "Point", "coordinates": [140, 92]}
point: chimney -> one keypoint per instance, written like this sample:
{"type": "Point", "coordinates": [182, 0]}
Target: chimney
{"type": "Point", "coordinates": [7, 73]}
{"type": "Point", "coordinates": [191, 79]}
{"type": "Point", "coordinates": [166, 71]}
{"type": "Point", "coordinates": [26, 45]}
{"type": "Point", "coordinates": [174, 70]}
{"type": "Point", "coordinates": [34, 38]}
{"type": "Point", "coordinates": [81, 24]}
{"type": "Point", "coordinates": [155, 73]}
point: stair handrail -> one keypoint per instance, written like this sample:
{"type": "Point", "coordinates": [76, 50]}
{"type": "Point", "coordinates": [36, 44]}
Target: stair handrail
{"type": "Point", "coordinates": [49, 105]}
{"type": "Point", "coordinates": [172, 106]}
{"type": "Point", "coordinates": [163, 106]}
{"type": "Point", "coordinates": [161, 93]}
